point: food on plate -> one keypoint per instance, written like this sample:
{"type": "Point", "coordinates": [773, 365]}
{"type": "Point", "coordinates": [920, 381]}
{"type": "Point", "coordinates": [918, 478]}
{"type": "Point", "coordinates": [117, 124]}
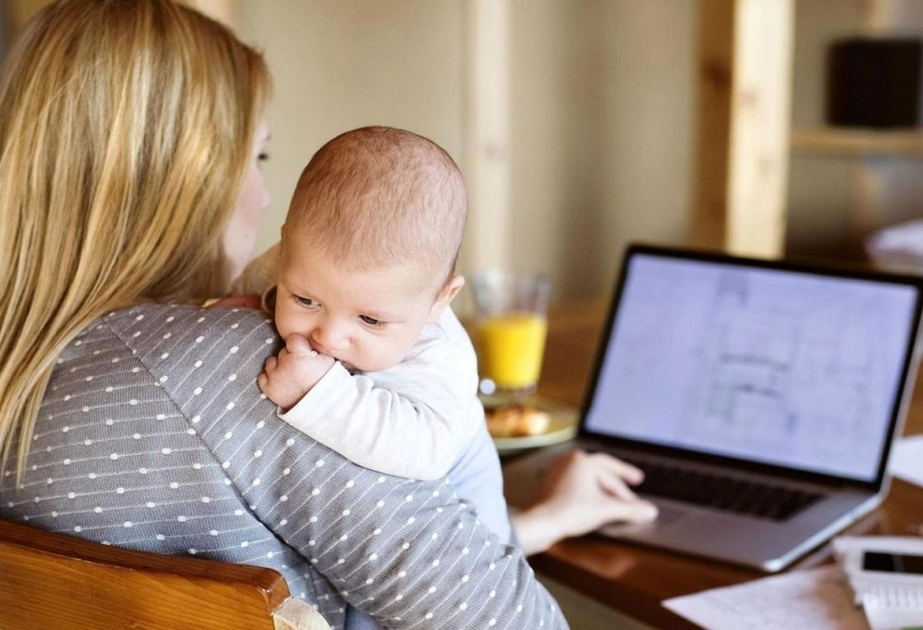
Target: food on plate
{"type": "Point", "coordinates": [516, 420]}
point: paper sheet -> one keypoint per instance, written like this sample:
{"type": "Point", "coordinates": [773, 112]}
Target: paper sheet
{"type": "Point", "coordinates": [907, 459]}
{"type": "Point", "coordinates": [818, 599]}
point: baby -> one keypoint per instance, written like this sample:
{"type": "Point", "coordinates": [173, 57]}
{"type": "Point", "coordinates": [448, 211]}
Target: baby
{"type": "Point", "coordinates": [375, 364]}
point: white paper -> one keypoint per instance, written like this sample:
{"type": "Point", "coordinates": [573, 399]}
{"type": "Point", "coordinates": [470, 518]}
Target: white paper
{"type": "Point", "coordinates": [907, 459]}
{"type": "Point", "coordinates": [818, 599]}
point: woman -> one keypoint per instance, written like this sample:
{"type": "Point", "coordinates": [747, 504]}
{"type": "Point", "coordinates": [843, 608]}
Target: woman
{"type": "Point", "coordinates": [130, 136]}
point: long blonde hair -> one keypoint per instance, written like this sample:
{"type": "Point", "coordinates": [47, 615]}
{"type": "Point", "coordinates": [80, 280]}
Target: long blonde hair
{"type": "Point", "coordinates": [125, 134]}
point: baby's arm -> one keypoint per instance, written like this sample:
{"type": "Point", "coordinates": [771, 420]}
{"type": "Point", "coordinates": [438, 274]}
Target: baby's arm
{"type": "Point", "coordinates": [411, 420]}
{"type": "Point", "coordinates": [289, 376]}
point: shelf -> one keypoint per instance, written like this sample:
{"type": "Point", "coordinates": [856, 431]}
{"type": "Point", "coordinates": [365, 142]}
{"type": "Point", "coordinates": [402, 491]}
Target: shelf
{"type": "Point", "coordinates": [905, 143]}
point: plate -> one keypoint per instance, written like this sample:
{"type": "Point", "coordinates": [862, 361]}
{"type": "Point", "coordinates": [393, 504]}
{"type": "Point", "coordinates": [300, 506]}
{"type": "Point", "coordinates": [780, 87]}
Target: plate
{"type": "Point", "coordinates": [562, 426]}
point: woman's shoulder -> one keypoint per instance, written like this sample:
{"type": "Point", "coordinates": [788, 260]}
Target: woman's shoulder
{"type": "Point", "coordinates": [186, 340]}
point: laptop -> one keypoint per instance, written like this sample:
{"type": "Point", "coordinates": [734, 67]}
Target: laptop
{"type": "Point", "coordinates": [761, 399]}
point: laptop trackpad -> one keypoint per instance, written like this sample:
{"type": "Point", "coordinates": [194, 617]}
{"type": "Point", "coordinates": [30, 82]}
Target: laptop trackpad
{"type": "Point", "coordinates": [667, 515]}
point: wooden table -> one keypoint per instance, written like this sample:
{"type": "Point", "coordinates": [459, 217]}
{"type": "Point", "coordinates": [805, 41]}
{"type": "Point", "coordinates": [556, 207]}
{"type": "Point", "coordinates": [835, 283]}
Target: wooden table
{"type": "Point", "coordinates": [633, 579]}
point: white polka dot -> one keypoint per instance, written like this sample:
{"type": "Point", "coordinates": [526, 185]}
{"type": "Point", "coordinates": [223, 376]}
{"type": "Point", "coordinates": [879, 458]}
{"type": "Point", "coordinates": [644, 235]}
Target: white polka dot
{"type": "Point", "coordinates": [165, 355]}
{"type": "Point", "coordinates": [139, 318]}
{"type": "Point", "coordinates": [87, 442]}
{"type": "Point", "coordinates": [258, 454]}
{"type": "Point", "coordinates": [206, 499]}
{"type": "Point", "coordinates": [398, 597]}
{"type": "Point", "coordinates": [315, 492]}
{"type": "Point", "coordinates": [429, 615]}
{"type": "Point", "coordinates": [92, 475]}
{"type": "Point", "coordinates": [193, 552]}
{"type": "Point", "coordinates": [143, 471]}
{"type": "Point", "coordinates": [190, 432]}
{"type": "Point", "coordinates": [120, 490]}
{"type": "Point", "coordinates": [346, 512]}
{"type": "Point", "coordinates": [109, 422]}
{"type": "Point", "coordinates": [150, 504]}
{"type": "Point", "coordinates": [232, 377]}
{"type": "Point", "coordinates": [350, 483]}
{"type": "Point", "coordinates": [174, 485]}
{"type": "Point", "coordinates": [197, 364]}
{"type": "Point", "coordinates": [289, 442]}
{"type": "Point", "coordinates": [197, 466]}
{"type": "Point", "coordinates": [319, 463]}
{"type": "Point", "coordinates": [98, 510]}
{"type": "Point", "coordinates": [53, 514]}
{"type": "Point", "coordinates": [436, 562]}
{"type": "Point", "coordinates": [161, 537]}
{"type": "Point", "coordinates": [181, 519]}
{"type": "Point", "coordinates": [380, 503]}
{"type": "Point", "coordinates": [245, 544]}
{"type": "Point", "coordinates": [133, 401]}
{"type": "Point", "coordinates": [411, 520]}
{"type": "Point", "coordinates": [213, 532]}
{"type": "Point", "coordinates": [65, 429]}
{"type": "Point", "coordinates": [228, 435]}
{"type": "Point", "coordinates": [401, 574]}
{"type": "Point", "coordinates": [405, 546]}
{"type": "Point", "coordinates": [78, 528]}
{"type": "Point", "coordinates": [234, 350]}
{"type": "Point", "coordinates": [67, 462]}
{"type": "Point", "coordinates": [71, 495]}
{"type": "Point", "coordinates": [255, 482]}
{"type": "Point", "coordinates": [432, 589]}
{"type": "Point", "coordinates": [287, 471]}
{"type": "Point", "coordinates": [464, 578]}
{"type": "Point", "coordinates": [283, 498]}
{"type": "Point", "coordinates": [409, 498]}
{"type": "Point", "coordinates": [230, 406]}
{"type": "Point", "coordinates": [196, 419]}
{"type": "Point", "coordinates": [225, 465]}
{"type": "Point", "coordinates": [376, 532]}
{"type": "Point", "coordinates": [114, 456]}
{"type": "Point", "coordinates": [199, 339]}
{"type": "Point", "coordinates": [238, 512]}
{"type": "Point", "coordinates": [344, 537]}
{"type": "Point", "coordinates": [128, 524]}
{"type": "Point", "coordinates": [166, 451]}
{"type": "Point", "coordinates": [463, 606]}
{"type": "Point", "coordinates": [313, 519]}
{"type": "Point", "coordinates": [492, 622]}
{"type": "Point", "coordinates": [197, 391]}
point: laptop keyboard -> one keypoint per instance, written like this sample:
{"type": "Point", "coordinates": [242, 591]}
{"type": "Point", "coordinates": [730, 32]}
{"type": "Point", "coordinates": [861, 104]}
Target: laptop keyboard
{"type": "Point", "coordinates": [769, 501]}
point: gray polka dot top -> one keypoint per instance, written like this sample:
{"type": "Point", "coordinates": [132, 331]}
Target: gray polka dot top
{"type": "Point", "coordinates": [154, 436]}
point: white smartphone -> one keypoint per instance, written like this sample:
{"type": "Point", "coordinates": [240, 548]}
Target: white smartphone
{"type": "Point", "coordinates": [884, 562]}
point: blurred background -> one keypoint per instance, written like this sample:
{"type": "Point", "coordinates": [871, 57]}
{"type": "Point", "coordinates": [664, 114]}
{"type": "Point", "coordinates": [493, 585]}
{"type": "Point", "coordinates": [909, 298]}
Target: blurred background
{"type": "Point", "coordinates": [582, 125]}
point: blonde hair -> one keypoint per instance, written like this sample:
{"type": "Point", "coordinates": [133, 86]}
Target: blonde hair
{"type": "Point", "coordinates": [379, 196]}
{"type": "Point", "coordinates": [125, 134]}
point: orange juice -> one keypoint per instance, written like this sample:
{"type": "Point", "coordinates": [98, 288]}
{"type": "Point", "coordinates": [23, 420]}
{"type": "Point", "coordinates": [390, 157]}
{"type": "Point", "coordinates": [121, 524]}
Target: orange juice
{"type": "Point", "coordinates": [510, 348]}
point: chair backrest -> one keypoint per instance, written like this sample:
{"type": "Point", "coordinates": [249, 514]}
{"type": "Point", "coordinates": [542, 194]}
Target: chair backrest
{"type": "Point", "coordinates": [50, 580]}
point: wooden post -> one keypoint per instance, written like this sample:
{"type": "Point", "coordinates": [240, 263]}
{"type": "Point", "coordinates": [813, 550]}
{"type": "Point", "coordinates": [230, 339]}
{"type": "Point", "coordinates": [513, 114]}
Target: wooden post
{"type": "Point", "coordinates": [486, 131]}
{"type": "Point", "coordinates": [745, 66]}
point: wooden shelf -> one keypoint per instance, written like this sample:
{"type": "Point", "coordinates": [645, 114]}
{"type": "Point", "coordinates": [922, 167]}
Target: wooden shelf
{"type": "Point", "coordinates": [858, 142]}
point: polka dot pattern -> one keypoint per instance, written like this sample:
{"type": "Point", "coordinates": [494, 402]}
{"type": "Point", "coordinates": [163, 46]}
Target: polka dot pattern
{"type": "Point", "coordinates": [154, 436]}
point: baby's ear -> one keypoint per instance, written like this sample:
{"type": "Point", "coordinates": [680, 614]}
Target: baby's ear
{"type": "Point", "coordinates": [445, 296]}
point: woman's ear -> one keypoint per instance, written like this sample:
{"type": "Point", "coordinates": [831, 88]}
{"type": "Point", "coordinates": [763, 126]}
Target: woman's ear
{"type": "Point", "coordinates": [445, 296]}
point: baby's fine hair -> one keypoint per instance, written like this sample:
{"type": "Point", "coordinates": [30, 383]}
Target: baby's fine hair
{"type": "Point", "coordinates": [376, 197]}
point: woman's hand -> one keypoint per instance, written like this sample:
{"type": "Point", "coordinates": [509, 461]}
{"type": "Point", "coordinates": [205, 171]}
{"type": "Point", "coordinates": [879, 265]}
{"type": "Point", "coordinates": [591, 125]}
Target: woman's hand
{"type": "Point", "coordinates": [581, 493]}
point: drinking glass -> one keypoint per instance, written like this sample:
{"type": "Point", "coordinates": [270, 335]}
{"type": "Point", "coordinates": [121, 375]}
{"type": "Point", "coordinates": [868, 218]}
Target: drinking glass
{"type": "Point", "coordinates": [510, 327]}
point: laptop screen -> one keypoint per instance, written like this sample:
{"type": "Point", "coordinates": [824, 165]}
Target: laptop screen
{"type": "Point", "coordinates": [756, 361]}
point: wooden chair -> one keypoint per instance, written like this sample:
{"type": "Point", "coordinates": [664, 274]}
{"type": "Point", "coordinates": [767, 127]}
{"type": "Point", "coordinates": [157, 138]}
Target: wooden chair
{"type": "Point", "coordinates": [50, 581]}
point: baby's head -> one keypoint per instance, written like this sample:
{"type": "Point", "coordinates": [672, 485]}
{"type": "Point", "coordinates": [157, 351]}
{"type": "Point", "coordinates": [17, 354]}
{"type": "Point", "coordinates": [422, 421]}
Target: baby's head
{"type": "Point", "coordinates": [369, 246]}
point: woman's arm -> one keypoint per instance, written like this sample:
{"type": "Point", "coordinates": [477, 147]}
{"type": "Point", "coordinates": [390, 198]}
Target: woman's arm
{"type": "Point", "coordinates": [407, 552]}
{"type": "Point", "coordinates": [581, 493]}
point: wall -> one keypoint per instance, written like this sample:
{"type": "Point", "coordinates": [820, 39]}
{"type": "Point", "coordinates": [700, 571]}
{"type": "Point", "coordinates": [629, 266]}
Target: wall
{"type": "Point", "coordinates": [601, 110]}
{"type": "Point", "coordinates": [834, 202]}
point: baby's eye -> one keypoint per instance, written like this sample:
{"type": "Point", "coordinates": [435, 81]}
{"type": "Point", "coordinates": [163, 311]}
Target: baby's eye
{"type": "Point", "coordinates": [371, 321]}
{"type": "Point", "coordinates": [304, 301]}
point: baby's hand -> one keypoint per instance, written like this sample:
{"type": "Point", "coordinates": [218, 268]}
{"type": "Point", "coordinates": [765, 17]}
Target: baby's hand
{"type": "Point", "coordinates": [287, 377]}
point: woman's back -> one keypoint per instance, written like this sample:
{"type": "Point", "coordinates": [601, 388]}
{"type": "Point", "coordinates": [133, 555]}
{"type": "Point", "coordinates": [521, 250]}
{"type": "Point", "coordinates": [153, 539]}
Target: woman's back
{"type": "Point", "coordinates": [154, 436]}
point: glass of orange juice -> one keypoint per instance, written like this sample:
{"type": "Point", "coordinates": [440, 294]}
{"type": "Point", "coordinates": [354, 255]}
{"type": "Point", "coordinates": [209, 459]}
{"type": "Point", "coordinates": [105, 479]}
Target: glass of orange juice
{"type": "Point", "coordinates": [510, 327]}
